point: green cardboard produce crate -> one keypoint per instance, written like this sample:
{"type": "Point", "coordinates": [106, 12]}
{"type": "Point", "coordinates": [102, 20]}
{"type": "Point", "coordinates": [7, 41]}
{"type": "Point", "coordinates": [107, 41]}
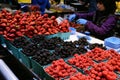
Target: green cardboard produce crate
{"type": "Point", "coordinates": [78, 69]}
{"type": "Point", "coordinates": [48, 77]}
{"type": "Point", "coordinates": [64, 36]}
{"type": "Point", "coordinates": [25, 60]}
{"type": "Point", "coordinates": [51, 36]}
{"type": "Point", "coordinates": [2, 40]}
{"type": "Point", "coordinates": [37, 68]}
{"type": "Point", "coordinates": [18, 54]}
{"type": "Point", "coordinates": [13, 49]}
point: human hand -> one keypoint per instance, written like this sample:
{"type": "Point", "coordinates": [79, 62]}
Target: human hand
{"type": "Point", "coordinates": [71, 17]}
{"type": "Point", "coordinates": [81, 21]}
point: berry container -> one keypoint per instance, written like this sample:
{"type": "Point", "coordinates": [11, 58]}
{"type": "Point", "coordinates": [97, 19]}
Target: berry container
{"type": "Point", "coordinates": [112, 42]}
{"type": "Point", "coordinates": [64, 36]}
{"type": "Point", "coordinates": [2, 40]}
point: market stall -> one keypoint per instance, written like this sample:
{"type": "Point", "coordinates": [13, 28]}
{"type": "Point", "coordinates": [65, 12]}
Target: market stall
{"type": "Point", "coordinates": [37, 46]}
{"type": "Point", "coordinates": [12, 69]}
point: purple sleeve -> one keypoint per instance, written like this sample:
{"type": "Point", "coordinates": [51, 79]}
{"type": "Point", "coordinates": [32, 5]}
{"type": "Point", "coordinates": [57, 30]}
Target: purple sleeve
{"type": "Point", "coordinates": [102, 29]}
{"type": "Point", "coordinates": [85, 15]}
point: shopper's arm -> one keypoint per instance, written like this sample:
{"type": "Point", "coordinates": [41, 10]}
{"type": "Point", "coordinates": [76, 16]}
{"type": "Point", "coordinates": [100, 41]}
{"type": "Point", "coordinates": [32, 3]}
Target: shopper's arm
{"type": "Point", "coordinates": [104, 28]}
{"type": "Point", "coordinates": [85, 15]}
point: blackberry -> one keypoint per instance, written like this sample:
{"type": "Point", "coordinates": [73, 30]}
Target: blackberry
{"type": "Point", "coordinates": [44, 57]}
{"type": "Point", "coordinates": [37, 39]}
{"type": "Point", "coordinates": [82, 41]}
{"type": "Point", "coordinates": [20, 42]}
{"type": "Point", "coordinates": [30, 49]}
{"type": "Point", "coordinates": [92, 46]}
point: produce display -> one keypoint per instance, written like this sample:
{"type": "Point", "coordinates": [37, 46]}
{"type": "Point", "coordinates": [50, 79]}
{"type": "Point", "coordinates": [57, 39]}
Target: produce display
{"type": "Point", "coordinates": [20, 42]}
{"type": "Point", "coordinates": [73, 24]}
{"type": "Point", "coordinates": [80, 76]}
{"type": "Point", "coordinates": [39, 48]}
{"type": "Point", "coordinates": [64, 52]}
{"type": "Point", "coordinates": [102, 71]}
{"type": "Point", "coordinates": [98, 54]}
{"type": "Point", "coordinates": [97, 64]}
{"type": "Point", "coordinates": [115, 60]}
{"type": "Point", "coordinates": [51, 44]}
{"type": "Point", "coordinates": [78, 27]}
{"type": "Point", "coordinates": [113, 53]}
{"type": "Point", "coordinates": [60, 60]}
{"type": "Point", "coordinates": [34, 8]}
{"type": "Point", "coordinates": [82, 41]}
{"type": "Point", "coordinates": [60, 70]}
{"type": "Point", "coordinates": [37, 39]}
{"type": "Point", "coordinates": [82, 49]}
{"type": "Point", "coordinates": [92, 46]}
{"type": "Point", "coordinates": [44, 57]}
{"type": "Point", "coordinates": [115, 63]}
{"type": "Point", "coordinates": [18, 24]}
{"type": "Point", "coordinates": [61, 8]}
{"type": "Point", "coordinates": [81, 61]}
{"type": "Point", "coordinates": [30, 49]}
{"type": "Point", "coordinates": [70, 48]}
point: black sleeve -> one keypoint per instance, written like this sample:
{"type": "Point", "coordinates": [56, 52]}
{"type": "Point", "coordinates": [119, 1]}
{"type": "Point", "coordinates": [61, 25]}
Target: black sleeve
{"type": "Point", "coordinates": [15, 4]}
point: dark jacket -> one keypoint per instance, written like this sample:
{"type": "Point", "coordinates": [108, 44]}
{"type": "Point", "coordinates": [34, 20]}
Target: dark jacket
{"type": "Point", "coordinates": [100, 25]}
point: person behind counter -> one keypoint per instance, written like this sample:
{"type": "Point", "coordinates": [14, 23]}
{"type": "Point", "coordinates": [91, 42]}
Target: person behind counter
{"type": "Point", "coordinates": [101, 22]}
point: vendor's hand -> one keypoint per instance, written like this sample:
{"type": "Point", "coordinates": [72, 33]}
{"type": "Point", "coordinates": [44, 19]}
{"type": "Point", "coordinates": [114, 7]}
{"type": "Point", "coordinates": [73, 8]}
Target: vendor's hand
{"type": "Point", "coordinates": [71, 17]}
{"type": "Point", "coordinates": [81, 21]}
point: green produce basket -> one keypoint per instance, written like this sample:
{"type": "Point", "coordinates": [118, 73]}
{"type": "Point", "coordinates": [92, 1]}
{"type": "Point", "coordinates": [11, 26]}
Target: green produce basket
{"type": "Point", "coordinates": [53, 35]}
{"type": "Point", "coordinates": [48, 77]}
{"type": "Point", "coordinates": [13, 49]}
{"type": "Point", "coordinates": [25, 60]}
{"type": "Point", "coordinates": [2, 40]}
{"type": "Point", "coordinates": [64, 36]}
{"type": "Point", "coordinates": [78, 69]}
{"type": "Point", "coordinates": [104, 60]}
{"type": "Point", "coordinates": [37, 68]}
{"type": "Point", "coordinates": [66, 59]}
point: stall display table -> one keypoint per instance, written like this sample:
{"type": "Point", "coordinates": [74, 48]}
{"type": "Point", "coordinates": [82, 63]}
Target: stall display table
{"type": "Point", "coordinates": [75, 36]}
{"type": "Point", "coordinates": [90, 39]}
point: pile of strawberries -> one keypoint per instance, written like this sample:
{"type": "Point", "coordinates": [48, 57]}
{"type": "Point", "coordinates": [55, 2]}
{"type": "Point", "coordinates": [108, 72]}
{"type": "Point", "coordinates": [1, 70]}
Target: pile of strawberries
{"type": "Point", "coordinates": [18, 24]}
